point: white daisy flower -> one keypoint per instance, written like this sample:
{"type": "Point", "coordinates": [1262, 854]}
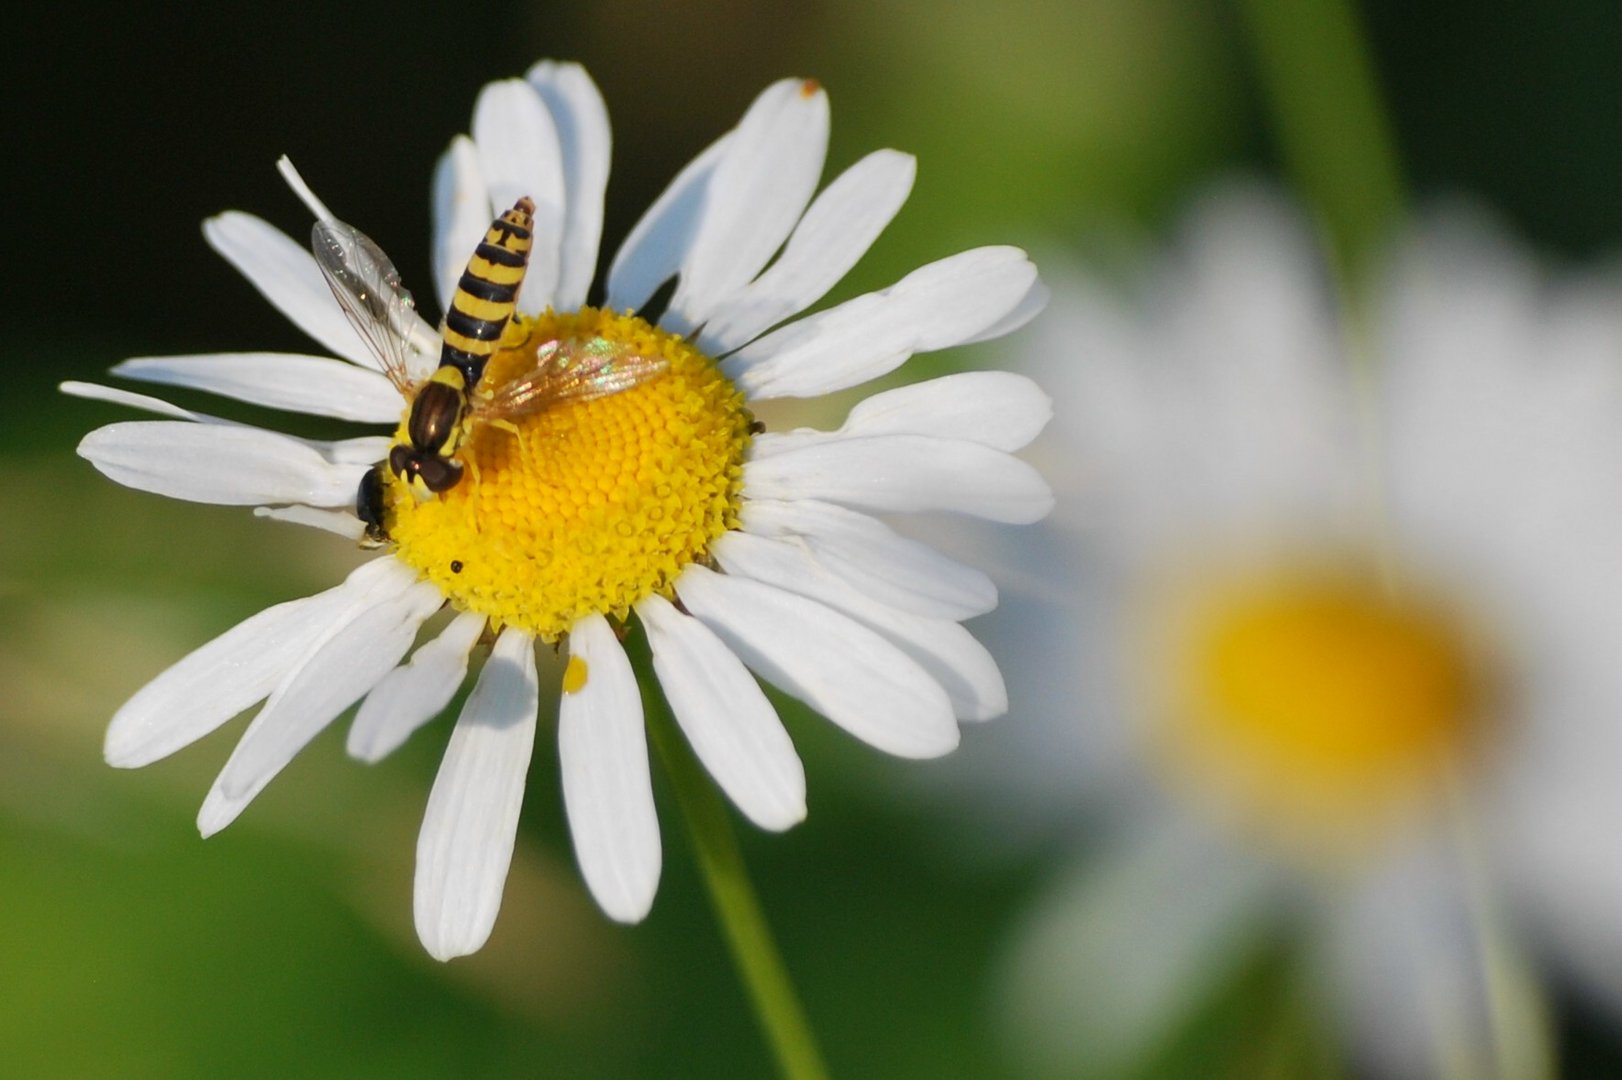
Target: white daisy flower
{"type": "Point", "coordinates": [736, 550]}
{"type": "Point", "coordinates": [1329, 640]}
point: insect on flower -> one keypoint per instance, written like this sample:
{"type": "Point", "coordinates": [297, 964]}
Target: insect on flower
{"type": "Point", "coordinates": [661, 511]}
{"type": "Point", "coordinates": [478, 323]}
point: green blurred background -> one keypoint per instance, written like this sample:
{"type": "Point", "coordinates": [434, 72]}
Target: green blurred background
{"type": "Point", "coordinates": [284, 946]}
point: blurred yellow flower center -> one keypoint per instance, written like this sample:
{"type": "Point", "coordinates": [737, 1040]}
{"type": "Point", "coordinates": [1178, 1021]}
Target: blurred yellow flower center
{"type": "Point", "coordinates": [1312, 700]}
{"type": "Point", "coordinates": [585, 506]}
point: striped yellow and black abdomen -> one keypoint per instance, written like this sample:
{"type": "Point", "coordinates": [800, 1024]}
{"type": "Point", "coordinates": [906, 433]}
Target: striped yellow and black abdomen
{"type": "Point", "coordinates": [487, 293]}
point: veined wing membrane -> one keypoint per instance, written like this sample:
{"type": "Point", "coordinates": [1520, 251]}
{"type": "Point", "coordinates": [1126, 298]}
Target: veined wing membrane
{"type": "Point", "coordinates": [368, 289]}
{"type": "Point", "coordinates": [569, 369]}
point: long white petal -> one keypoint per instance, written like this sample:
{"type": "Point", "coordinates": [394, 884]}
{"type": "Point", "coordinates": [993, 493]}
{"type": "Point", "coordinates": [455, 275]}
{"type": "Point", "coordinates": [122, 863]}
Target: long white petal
{"type": "Point", "coordinates": [769, 444]}
{"type": "Point", "coordinates": [338, 522]}
{"type": "Point", "coordinates": [759, 191]}
{"type": "Point", "coordinates": [907, 473]}
{"type": "Point", "coordinates": [338, 668]}
{"type": "Point", "coordinates": [358, 451]}
{"type": "Point", "coordinates": [215, 682]}
{"type": "Point", "coordinates": [838, 228]}
{"type": "Point", "coordinates": [1032, 304]}
{"type": "Point", "coordinates": [607, 791]}
{"type": "Point", "coordinates": [365, 450]}
{"type": "Point", "coordinates": [306, 384]}
{"type": "Point", "coordinates": [584, 139]}
{"type": "Point", "coordinates": [946, 651]}
{"type": "Point", "coordinates": [117, 396]}
{"type": "Point", "coordinates": [462, 213]}
{"type": "Point", "coordinates": [937, 306]}
{"type": "Point", "coordinates": [413, 694]}
{"type": "Point", "coordinates": [998, 409]}
{"type": "Point", "coordinates": [658, 244]}
{"type": "Point", "coordinates": [1416, 959]}
{"type": "Point", "coordinates": [214, 463]}
{"type": "Point", "coordinates": [295, 180]}
{"type": "Point", "coordinates": [519, 155]}
{"type": "Point", "coordinates": [726, 717]}
{"type": "Point", "coordinates": [874, 559]}
{"type": "Point", "coordinates": [286, 273]}
{"type": "Point", "coordinates": [845, 671]}
{"type": "Point", "coordinates": [468, 832]}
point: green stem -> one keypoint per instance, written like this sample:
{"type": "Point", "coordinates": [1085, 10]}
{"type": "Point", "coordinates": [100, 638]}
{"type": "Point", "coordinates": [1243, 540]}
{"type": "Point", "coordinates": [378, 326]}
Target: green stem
{"type": "Point", "coordinates": [1333, 132]}
{"type": "Point", "coordinates": [749, 939]}
{"type": "Point", "coordinates": [1314, 65]}
{"type": "Point", "coordinates": [1523, 1045]}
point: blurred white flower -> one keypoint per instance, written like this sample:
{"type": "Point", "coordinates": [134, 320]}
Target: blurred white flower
{"type": "Point", "coordinates": [1329, 638]}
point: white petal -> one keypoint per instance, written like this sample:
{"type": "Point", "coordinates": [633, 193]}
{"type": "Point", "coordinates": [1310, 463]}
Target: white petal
{"type": "Point", "coordinates": [213, 463]}
{"type": "Point", "coordinates": [998, 409]}
{"type": "Point", "coordinates": [341, 522]}
{"type": "Point", "coordinates": [97, 392]}
{"type": "Point", "coordinates": [295, 180]}
{"type": "Point", "coordinates": [842, 669]}
{"type": "Point", "coordinates": [1552, 841]}
{"type": "Point", "coordinates": [518, 153]}
{"type": "Point", "coordinates": [307, 384]}
{"type": "Point", "coordinates": [466, 844]}
{"type": "Point", "coordinates": [730, 724]}
{"type": "Point", "coordinates": [366, 450]}
{"type": "Point", "coordinates": [770, 444]}
{"type": "Point", "coordinates": [230, 673]}
{"type": "Point", "coordinates": [462, 213]}
{"type": "Point", "coordinates": [757, 194]}
{"type": "Point", "coordinates": [838, 228]}
{"type": "Point", "coordinates": [871, 557]}
{"type": "Point", "coordinates": [413, 694]}
{"type": "Point", "coordinates": [1034, 302]}
{"type": "Point", "coordinates": [581, 120]}
{"type": "Point", "coordinates": [603, 756]}
{"type": "Point", "coordinates": [948, 653]}
{"type": "Point", "coordinates": [338, 668]}
{"type": "Point", "coordinates": [1432, 981]}
{"type": "Point", "coordinates": [937, 306]}
{"type": "Point", "coordinates": [907, 473]}
{"type": "Point", "coordinates": [286, 273]}
{"type": "Point", "coordinates": [359, 451]}
{"type": "Point", "coordinates": [658, 244]}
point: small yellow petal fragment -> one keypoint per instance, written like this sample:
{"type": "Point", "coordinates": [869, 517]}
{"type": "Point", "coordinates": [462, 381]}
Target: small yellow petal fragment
{"type": "Point", "coordinates": [574, 676]}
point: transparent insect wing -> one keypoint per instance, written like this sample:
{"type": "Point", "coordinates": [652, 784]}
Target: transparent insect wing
{"type": "Point", "coordinates": [368, 289]}
{"type": "Point", "coordinates": [572, 369]}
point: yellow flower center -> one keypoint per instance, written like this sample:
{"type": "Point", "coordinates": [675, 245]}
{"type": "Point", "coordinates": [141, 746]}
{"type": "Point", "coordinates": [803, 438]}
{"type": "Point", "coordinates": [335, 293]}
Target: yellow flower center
{"type": "Point", "coordinates": [584, 506]}
{"type": "Point", "coordinates": [1314, 705]}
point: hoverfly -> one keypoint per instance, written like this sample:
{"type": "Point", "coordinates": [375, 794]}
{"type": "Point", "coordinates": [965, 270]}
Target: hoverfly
{"type": "Point", "coordinates": [446, 406]}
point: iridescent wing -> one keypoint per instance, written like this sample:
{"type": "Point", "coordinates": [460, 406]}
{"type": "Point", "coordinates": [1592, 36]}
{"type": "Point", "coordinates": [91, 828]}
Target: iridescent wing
{"type": "Point", "coordinates": [569, 369]}
{"type": "Point", "coordinates": [368, 289]}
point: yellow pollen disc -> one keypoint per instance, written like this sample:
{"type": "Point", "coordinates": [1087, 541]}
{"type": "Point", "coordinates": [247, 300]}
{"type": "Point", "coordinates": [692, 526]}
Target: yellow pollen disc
{"type": "Point", "coordinates": [584, 506]}
{"type": "Point", "coordinates": [1313, 705]}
